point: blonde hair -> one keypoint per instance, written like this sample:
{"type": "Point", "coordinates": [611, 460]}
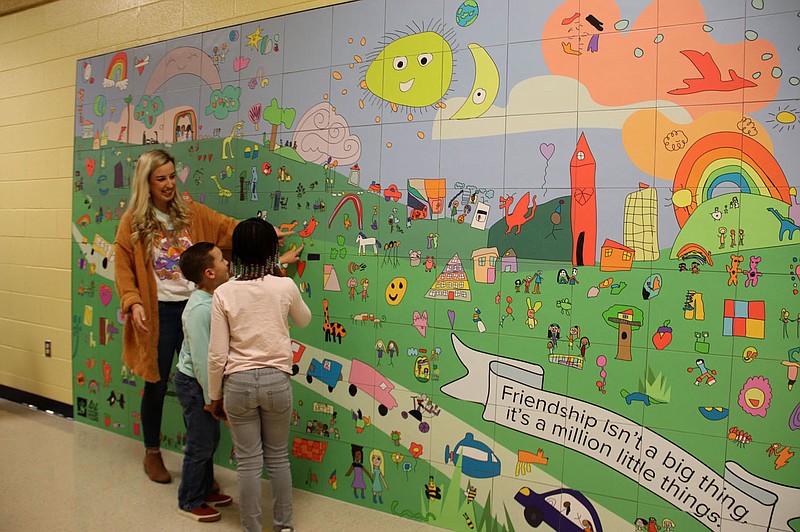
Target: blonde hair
{"type": "Point", "coordinates": [378, 453]}
{"type": "Point", "coordinates": [144, 223]}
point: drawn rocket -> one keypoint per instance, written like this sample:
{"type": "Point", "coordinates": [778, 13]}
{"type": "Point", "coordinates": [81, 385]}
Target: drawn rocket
{"type": "Point", "coordinates": [584, 205]}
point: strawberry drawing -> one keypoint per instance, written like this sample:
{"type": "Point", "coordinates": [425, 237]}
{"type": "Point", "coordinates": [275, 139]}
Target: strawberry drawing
{"type": "Point", "coordinates": [663, 336]}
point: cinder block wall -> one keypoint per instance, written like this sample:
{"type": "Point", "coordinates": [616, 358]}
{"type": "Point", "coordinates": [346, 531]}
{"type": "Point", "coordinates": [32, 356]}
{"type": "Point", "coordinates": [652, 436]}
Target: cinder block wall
{"type": "Point", "coordinates": [39, 48]}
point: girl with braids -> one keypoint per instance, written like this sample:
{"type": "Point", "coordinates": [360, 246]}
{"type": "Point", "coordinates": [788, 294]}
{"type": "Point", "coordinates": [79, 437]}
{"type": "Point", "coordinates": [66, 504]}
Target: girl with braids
{"type": "Point", "coordinates": [157, 227]}
{"type": "Point", "coordinates": [250, 364]}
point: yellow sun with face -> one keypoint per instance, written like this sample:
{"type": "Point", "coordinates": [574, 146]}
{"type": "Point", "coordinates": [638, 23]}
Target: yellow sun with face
{"type": "Point", "coordinates": [414, 70]}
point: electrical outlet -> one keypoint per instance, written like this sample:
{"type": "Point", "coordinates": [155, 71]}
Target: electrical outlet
{"type": "Point", "coordinates": [48, 348]}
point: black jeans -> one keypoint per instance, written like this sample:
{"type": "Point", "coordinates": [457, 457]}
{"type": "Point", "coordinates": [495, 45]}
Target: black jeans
{"type": "Point", "coordinates": [170, 338]}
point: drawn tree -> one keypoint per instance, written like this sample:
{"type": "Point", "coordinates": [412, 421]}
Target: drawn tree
{"type": "Point", "coordinates": [148, 110]}
{"type": "Point", "coordinates": [276, 116]}
{"type": "Point", "coordinates": [626, 320]}
{"type": "Point", "coordinates": [128, 101]}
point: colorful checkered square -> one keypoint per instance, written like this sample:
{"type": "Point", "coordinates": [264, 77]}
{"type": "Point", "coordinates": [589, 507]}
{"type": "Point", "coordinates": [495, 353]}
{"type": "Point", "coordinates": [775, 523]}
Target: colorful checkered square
{"type": "Point", "coordinates": [743, 318]}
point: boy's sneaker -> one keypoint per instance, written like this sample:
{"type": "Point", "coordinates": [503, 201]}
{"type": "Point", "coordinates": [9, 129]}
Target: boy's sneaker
{"type": "Point", "coordinates": [219, 499]}
{"type": "Point", "coordinates": [203, 513]}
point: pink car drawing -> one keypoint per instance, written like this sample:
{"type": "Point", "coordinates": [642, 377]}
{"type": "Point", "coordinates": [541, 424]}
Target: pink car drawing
{"type": "Point", "coordinates": [365, 378]}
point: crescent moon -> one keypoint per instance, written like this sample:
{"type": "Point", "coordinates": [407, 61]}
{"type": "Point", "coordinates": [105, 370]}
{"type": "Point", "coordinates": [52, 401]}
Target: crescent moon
{"type": "Point", "coordinates": [485, 87]}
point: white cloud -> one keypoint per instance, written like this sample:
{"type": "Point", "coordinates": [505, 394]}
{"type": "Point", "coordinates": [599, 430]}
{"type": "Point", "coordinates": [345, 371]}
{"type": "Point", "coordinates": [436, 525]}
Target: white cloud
{"type": "Point", "coordinates": [545, 103]}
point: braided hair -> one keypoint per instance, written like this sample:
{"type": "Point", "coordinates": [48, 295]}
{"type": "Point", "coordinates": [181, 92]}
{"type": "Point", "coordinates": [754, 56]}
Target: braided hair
{"type": "Point", "coordinates": [255, 250]}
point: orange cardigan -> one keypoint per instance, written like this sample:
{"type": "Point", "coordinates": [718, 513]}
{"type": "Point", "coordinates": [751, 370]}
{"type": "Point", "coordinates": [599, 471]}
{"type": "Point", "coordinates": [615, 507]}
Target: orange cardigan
{"type": "Point", "coordinates": [136, 283]}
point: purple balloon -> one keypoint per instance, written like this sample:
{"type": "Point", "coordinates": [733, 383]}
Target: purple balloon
{"type": "Point", "coordinates": [547, 150]}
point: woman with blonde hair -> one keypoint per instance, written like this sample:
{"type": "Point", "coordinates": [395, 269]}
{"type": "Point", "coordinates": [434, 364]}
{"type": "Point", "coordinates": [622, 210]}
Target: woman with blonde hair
{"type": "Point", "coordinates": [157, 227]}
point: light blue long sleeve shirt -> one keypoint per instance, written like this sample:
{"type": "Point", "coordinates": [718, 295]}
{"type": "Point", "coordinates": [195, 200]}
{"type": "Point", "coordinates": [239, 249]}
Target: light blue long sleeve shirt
{"type": "Point", "coordinates": [193, 358]}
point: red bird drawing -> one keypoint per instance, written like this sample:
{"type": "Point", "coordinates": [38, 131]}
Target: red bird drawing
{"type": "Point", "coordinates": [308, 230]}
{"type": "Point", "coordinates": [711, 77]}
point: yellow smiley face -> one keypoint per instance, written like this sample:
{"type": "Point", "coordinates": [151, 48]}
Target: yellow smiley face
{"type": "Point", "coordinates": [395, 290]}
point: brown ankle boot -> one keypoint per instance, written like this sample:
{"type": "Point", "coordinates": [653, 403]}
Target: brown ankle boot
{"type": "Point", "coordinates": [154, 467]}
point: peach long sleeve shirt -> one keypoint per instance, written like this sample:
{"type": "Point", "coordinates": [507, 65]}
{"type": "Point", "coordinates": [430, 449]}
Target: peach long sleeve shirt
{"type": "Point", "coordinates": [250, 327]}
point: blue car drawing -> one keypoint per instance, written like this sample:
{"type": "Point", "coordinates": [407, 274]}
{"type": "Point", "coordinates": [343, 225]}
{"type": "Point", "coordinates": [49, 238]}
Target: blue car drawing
{"type": "Point", "coordinates": [565, 510]}
{"type": "Point", "coordinates": [328, 371]}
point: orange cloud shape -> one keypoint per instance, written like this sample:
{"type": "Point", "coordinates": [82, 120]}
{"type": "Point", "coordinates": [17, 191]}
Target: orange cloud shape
{"type": "Point", "coordinates": [648, 128]}
{"type": "Point", "coordinates": [630, 66]}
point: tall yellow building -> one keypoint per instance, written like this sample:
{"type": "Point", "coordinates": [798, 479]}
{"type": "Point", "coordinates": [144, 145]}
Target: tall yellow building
{"type": "Point", "coordinates": [640, 223]}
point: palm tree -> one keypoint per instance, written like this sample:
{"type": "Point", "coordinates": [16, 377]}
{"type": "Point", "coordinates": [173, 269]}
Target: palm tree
{"type": "Point", "coordinates": [128, 100]}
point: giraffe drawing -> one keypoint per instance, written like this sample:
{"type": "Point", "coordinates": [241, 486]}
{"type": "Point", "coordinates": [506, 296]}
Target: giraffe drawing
{"type": "Point", "coordinates": [787, 224]}
{"type": "Point", "coordinates": [333, 330]}
{"type": "Point", "coordinates": [236, 131]}
{"type": "Point", "coordinates": [222, 191]}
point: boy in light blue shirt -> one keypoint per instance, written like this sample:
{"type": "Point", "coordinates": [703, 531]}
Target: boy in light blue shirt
{"type": "Point", "coordinates": [204, 265]}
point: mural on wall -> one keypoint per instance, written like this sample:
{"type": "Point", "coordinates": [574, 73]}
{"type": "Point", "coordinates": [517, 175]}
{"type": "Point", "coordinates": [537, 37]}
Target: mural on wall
{"type": "Point", "coordinates": [551, 249]}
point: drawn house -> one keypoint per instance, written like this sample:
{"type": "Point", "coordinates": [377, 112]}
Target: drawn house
{"type": "Point", "coordinates": [355, 176]}
{"type": "Point", "coordinates": [452, 283]}
{"type": "Point", "coordinates": [87, 130]}
{"type": "Point", "coordinates": [615, 257]}
{"type": "Point", "coordinates": [484, 262]}
{"type": "Point", "coordinates": [508, 263]}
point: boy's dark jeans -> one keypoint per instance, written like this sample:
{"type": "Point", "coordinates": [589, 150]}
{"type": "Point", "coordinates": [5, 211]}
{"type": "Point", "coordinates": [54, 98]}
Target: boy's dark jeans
{"type": "Point", "coordinates": [202, 438]}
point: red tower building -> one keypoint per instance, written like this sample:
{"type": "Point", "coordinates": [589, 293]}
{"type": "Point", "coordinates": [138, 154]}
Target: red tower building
{"type": "Point", "coordinates": [583, 212]}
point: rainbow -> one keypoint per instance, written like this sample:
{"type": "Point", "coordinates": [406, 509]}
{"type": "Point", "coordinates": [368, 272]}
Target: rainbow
{"type": "Point", "coordinates": [727, 158]}
{"type": "Point", "coordinates": [356, 201]}
{"type": "Point", "coordinates": [696, 252]}
{"type": "Point", "coordinates": [117, 74]}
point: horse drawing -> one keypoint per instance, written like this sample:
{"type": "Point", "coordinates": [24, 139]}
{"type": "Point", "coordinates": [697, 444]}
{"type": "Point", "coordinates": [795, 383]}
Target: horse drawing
{"type": "Point", "coordinates": [363, 242]}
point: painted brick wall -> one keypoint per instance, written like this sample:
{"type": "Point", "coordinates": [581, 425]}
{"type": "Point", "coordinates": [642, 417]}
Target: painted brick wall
{"type": "Point", "coordinates": [38, 51]}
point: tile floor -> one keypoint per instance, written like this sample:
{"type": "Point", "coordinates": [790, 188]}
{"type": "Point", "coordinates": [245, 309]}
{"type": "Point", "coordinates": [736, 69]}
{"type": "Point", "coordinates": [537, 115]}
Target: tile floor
{"type": "Point", "coordinates": [62, 475]}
